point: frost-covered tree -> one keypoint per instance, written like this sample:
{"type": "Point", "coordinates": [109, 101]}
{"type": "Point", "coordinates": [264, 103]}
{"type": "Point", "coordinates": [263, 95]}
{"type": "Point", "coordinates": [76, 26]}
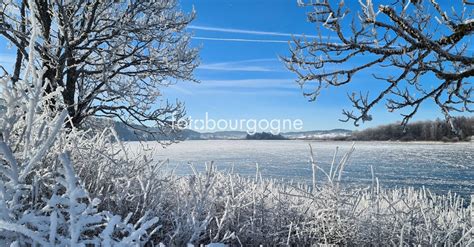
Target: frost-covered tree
{"type": "Point", "coordinates": [419, 50]}
{"type": "Point", "coordinates": [42, 200]}
{"type": "Point", "coordinates": [109, 57]}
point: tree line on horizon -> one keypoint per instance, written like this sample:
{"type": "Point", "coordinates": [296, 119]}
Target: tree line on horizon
{"type": "Point", "coordinates": [264, 136]}
{"type": "Point", "coordinates": [437, 130]}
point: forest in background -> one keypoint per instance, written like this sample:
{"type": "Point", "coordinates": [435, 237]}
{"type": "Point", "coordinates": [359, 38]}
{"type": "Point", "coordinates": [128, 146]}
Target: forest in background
{"type": "Point", "coordinates": [437, 130]}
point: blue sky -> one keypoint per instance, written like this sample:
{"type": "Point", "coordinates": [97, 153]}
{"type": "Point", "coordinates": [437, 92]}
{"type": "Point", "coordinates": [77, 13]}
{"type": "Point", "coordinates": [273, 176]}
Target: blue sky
{"type": "Point", "coordinates": [241, 75]}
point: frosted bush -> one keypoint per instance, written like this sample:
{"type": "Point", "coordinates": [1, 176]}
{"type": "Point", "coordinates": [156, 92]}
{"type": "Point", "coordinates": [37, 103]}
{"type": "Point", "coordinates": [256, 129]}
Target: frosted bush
{"type": "Point", "coordinates": [220, 207]}
{"type": "Point", "coordinates": [42, 200]}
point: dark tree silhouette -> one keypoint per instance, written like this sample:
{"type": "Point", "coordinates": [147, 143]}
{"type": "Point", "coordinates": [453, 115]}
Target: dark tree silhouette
{"type": "Point", "coordinates": [424, 44]}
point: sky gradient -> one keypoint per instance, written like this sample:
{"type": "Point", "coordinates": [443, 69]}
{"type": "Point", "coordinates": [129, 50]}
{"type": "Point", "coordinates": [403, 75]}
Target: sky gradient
{"type": "Point", "coordinates": [241, 75]}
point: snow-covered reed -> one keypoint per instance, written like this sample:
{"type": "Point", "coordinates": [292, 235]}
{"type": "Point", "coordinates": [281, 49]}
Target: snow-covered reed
{"type": "Point", "coordinates": [218, 206]}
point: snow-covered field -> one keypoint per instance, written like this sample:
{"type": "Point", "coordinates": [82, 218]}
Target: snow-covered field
{"type": "Point", "coordinates": [439, 167]}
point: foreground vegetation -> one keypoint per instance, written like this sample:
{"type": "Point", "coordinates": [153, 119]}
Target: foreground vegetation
{"type": "Point", "coordinates": [220, 207]}
{"type": "Point", "coordinates": [69, 187]}
{"type": "Point", "coordinates": [60, 186]}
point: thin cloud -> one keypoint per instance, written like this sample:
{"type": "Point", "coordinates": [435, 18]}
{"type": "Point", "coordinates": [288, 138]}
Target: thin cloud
{"type": "Point", "coordinates": [249, 91]}
{"type": "Point", "coordinates": [242, 31]}
{"type": "Point", "coordinates": [250, 83]}
{"type": "Point", "coordinates": [248, 86]}
{"type": "Point", "coordinates": [258, 60]}
{"type": "Point", "coordinates": [251, 65]}
{"type": "Point", "coordinates": [242, 40]}
{"type": "Point", "coordinates": [180, 89]}
{"type": "Point", "coordinates": [228, 67]}
{"type": "Point", "coordinates": [239, 86]}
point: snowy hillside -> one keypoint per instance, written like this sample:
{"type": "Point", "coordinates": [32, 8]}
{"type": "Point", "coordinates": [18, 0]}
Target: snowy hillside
{"type": "Point", "coordinates": [318, 134]}
{"type": "Point", "coordinates": [127, 133]}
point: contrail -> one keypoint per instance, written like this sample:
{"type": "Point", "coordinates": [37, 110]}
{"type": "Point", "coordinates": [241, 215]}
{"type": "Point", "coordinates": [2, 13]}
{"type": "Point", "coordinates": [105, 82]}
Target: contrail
{"type": "Point", "coordinates": [242, 31]}
{"type": "Point", "coordinates": [243, 40]}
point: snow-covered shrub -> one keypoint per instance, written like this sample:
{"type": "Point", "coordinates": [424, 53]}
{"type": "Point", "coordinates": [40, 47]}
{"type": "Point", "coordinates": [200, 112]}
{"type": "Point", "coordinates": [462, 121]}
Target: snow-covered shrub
{"type": "Point", "coordinates": [215, 206]}
{"type": "Point", "coordinates": [42, 200]}
{"type": "Point", "coordinates": [124, 182]}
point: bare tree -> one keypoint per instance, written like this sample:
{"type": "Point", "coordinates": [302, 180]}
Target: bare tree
{"type": "Point", "coordinates": [418, 49]}
{"type": "Point", "coordinates": [110, 58]}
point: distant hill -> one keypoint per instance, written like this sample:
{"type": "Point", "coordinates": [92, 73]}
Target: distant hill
{"type": "Point", "coordinates": [127, 133]}
{"type": "Point", "coordinates": [220, 135]}
{"type": "Point", "coordinates": [437, 130]}
{"type": "Point", "coordinates": [138, 133]}
{"type": "Point", "coordinates": [334, 134]}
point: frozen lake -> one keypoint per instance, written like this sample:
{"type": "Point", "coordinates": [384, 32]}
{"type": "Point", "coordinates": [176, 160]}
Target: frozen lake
{"type": "Point", "coordinates": [437, 166]}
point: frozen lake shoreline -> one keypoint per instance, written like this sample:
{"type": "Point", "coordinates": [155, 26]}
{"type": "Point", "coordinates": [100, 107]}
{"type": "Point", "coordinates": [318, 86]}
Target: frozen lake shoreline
{"type": "Point", "coordinates": [440, 167]}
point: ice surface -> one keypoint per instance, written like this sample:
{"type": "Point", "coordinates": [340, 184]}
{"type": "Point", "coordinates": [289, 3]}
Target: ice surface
{"type": "Point", "coordinates": [438, 166]}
